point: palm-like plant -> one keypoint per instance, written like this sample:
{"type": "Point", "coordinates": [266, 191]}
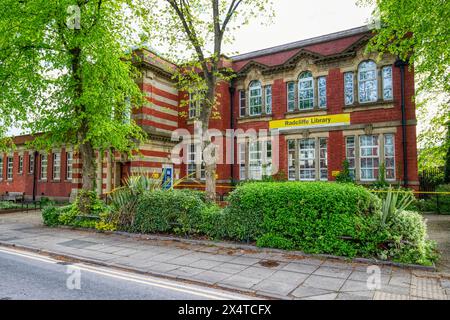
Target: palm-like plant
{"type": "Point", "coordinates": [124, 200]}
{"type": "Point", "coordinates": [395, 201]}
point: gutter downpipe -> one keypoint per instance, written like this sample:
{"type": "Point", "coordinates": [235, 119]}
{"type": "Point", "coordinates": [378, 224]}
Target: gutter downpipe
{"type": "Point", "coordinates": [401, 64]}
{"type": "Point", "coordinates": [34, 174]}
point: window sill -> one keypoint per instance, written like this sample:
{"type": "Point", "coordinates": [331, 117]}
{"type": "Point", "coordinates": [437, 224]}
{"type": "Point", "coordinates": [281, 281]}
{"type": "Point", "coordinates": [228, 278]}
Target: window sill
{"type": "Point", "coordinates": [262, 117]}
{"type": "Point", "coordinates": [380, 104]}
{"type": "Point", "coordinates": [314, 111]}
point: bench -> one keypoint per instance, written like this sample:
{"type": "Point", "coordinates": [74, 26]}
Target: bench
{"type": "Point", "coordinates": [13, 196]}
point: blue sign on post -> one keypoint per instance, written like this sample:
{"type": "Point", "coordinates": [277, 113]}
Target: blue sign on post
{"type": "Point", "coordinates": [167, 178]}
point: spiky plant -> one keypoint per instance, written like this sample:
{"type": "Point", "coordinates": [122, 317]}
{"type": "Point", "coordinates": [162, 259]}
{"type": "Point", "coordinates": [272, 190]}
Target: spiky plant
{"type": "Point", "coordinates": [124, 200]}
{"type": "Point", "coordinates": [395, 201]}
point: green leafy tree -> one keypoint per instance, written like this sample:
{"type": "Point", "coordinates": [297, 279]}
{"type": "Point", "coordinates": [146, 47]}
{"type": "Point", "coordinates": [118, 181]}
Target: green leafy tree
{"type": "Point", "coordinates": [194, 32]}
{"type": "Point", "coordinates": [418, 31]}
{"type": "Point", "coordinates": [66, 71]}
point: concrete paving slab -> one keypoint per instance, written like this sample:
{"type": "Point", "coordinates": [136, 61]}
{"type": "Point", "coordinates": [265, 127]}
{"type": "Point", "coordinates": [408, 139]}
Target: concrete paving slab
{"type": "Point", "coordinates": [300, 267]}
{"type": "Point", "coordinates": [333, 272]}
{"type": "Point", "coordinates": [210, 276]}
{"type": "Point", "coordinates": [240, 281]}
{"type": "Point", "coordinates": [274, 287]}
{"type": "Point", "coordinates": [305, 291]}
{"type": "Point", "coordinates": [322, 282]}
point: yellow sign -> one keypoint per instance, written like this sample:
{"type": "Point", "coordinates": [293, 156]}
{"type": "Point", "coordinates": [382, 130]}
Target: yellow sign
{"type": "Point", "coordinates": [335, 173]}
{"type": "Point", "coordinates": [311, 122]}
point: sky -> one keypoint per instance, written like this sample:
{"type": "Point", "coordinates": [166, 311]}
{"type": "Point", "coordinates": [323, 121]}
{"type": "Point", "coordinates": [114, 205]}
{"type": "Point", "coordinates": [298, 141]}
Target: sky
{"type": "Point", "coordinates": [300, 19]}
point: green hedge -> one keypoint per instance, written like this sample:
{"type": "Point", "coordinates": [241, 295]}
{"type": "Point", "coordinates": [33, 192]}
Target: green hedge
{"type": "Point", "coordinates": [176, 211]}
{"type": "Point", "coordinates": [258, 208]}
{"type": "Point", "coordinates": [327, 218]}
{"type": "Point", "coordinates": [314, 217]}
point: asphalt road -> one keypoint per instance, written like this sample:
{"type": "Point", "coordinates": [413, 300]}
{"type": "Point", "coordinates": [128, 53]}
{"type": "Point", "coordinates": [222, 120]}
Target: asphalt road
{"type": "Point", "coordinates": [26, 276]}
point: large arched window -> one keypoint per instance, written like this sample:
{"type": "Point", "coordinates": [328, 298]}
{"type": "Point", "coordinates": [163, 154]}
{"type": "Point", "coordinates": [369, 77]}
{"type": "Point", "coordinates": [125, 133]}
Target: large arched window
{"type": "Point", "coordinates": [255, 101]}
{"type": "Point", "coordinates": [367, 82]}
{"type": "Point", "coordinates": [305, 91]}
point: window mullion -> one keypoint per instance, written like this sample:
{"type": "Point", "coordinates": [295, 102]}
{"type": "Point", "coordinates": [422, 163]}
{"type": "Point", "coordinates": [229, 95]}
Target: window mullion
{"type": "Point", "coordinates": [357, 159]}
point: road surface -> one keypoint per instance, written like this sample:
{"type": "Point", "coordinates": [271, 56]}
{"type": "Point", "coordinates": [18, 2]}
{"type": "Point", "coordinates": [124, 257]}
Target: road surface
{"type": "Point", "coordinates": [25, 275]}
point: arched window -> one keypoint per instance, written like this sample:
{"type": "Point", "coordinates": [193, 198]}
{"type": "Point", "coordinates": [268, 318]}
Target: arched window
{"type": "Point", "coordinates": [367, 82]}
{"type": "Point", "coordinates": [305, 91]}
{"type": "Point", "coordinates": [255, 101]}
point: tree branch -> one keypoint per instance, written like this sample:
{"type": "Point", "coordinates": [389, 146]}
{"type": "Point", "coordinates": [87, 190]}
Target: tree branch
{"type": "Point", "coordinates": [190, 31]}
{"type": "Point", "coordinates": [231, 10]}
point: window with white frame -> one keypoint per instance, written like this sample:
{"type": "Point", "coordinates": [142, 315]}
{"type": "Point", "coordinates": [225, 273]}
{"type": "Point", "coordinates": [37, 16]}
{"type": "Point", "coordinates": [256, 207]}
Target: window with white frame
{"type": "Point", "coordinates": [307, 159]}
{"type": "Point", "coordinates": [1, 168]}
{"type": "Point", "coordinates": [191, 161]}
{"type": "Point", "coordinates": [30, 163]}
{"type": "Point", "coordinates": [56, 170]}
{"type": "Point", "coordinates": [267, 160]}
{"type": "Point", "coordinates": [291, 160]}
{"type": "Point", "coordinates": [260, 159]}
{"type": "Point", "coordinates": [290, 96]}
{"type": "Point", "coordinates": [255, 161]}
{"type": "Point", "coordinates": [350, 154]}
{"type": "Point", "coordinates": [9, 167]}
{"type": "Point", "coordinates": [349, 85]}
{"type": "Point", "coordinates": [369, 157]}
{"type": "Point", "coordinates": [323, 158]}
{"type": "Point", "coordinates": [305, 91]}
{"type": "Point", "coordinates": [387, 83]}
{"type": "Point", "coordinates": [242, 104]}
{"type": "Point", "coordinates": [69, 161]}
{"type": "Point", "coordinates": [43, 167]}
{"type": "Point", "coordinates": [268, 98]}
{"type": "Point", "coordinates": [20, 168]}
{"type": "Point", "coordinates": [389, 156]}
{"type": "Point", "coordinates": [367, 82]}
{"type": "Point", "coordinates": [255, 94]}
{"type": "Point", "coordinates": [241, 161]}
{"type": "Point", "coordinates": [194, 105]}
{"type": "Point", "coordinates": [322, 89]}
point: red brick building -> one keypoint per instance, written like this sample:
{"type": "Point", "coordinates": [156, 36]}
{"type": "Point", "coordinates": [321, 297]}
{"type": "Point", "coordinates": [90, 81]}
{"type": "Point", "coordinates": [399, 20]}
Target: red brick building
{"type": "Point", "coordinates": [321, 100]}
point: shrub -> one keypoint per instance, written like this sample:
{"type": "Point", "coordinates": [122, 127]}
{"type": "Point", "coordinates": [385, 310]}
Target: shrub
{"type": "Point", "coordinates": [294, 208]}
{"type": "Point", "coordinates": [444, 199]}
{"type": "Point", "coordinates": [44, 202]}
{"type": "Point", "coordinates": [330, 218]}
{"type": "Point", "coordinates": [407, 239]}
{"type": "Point", "coordinates": [9, 205]}
{"type": "Point", "coordinates": [178, 211]}
{"type": "Point", "coordinates": [50, 216]}
{"type": "Point", "coordinates": [395, 200]}
{"type": "Point", "coordinates": [88, 203]}
{"type": "Point", "coordinates": [344, 176]}
{"type": "Point", "coordinates": [212, 221]}
{"type": "Point", "coordinates": [437, 203]}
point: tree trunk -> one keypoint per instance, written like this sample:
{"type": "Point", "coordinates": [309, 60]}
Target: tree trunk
{"type": "Point", "coordinates": [88, 166]}
{"type": "Point", "coordinates": [211, 165]}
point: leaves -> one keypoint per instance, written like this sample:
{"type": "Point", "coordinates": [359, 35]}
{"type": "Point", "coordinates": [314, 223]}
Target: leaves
{"type": "Point", "coordinates": [419, 30]}
{"type": "Point", "coordinates": [41, 91]}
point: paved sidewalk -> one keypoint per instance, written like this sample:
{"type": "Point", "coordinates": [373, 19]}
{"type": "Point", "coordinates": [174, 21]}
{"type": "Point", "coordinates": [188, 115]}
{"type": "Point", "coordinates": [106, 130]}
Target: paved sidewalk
{"type": "Point", "coordinates": [264, 273]}
{"type": "Point", "coordinates": [438, 226]}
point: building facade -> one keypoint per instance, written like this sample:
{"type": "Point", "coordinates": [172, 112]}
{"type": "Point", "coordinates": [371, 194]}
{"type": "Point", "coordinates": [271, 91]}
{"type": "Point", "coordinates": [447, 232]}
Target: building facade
{"type": "Point", "coordinates": [321, 101]}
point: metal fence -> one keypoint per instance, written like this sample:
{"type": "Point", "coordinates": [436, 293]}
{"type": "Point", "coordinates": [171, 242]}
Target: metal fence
{"type": "Point", "coordinates": [429, 179]}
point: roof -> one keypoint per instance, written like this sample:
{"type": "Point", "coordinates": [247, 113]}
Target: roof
{"type": "Point", "coordinates": [322, 46]}
{"type": "Point", "coordinates": [302, 43]}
